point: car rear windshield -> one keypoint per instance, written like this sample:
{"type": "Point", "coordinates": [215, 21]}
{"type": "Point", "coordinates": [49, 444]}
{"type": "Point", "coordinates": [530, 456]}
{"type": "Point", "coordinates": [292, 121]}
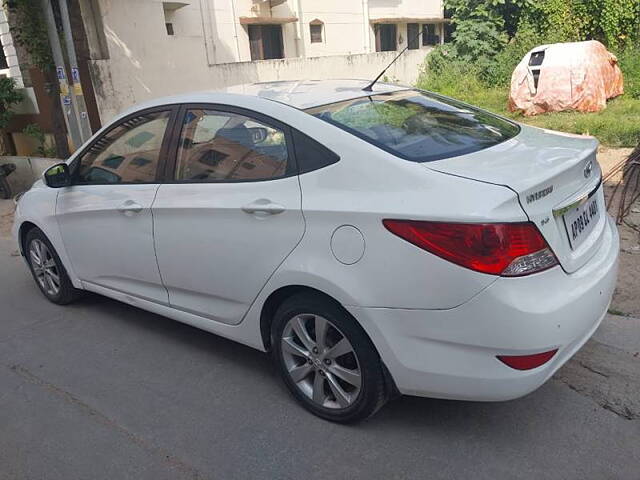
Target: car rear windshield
{"type": "Point", "coordinates": [418, 126]}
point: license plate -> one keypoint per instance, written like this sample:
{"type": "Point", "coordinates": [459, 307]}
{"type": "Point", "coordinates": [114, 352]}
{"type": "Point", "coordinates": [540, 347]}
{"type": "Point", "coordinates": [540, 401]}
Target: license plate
{"type": "Point", "coordinates": [581, 220]}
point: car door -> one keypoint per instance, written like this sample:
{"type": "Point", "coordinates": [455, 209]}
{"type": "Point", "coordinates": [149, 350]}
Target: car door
{"type": "Point", "coordinates": [105, 215]}
{"type": "Point", "coordinates": [229, 213]}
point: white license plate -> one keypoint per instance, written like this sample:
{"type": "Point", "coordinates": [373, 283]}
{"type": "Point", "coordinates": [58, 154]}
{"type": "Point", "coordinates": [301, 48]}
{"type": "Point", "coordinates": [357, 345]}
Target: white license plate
{"type": "Point", "coordinates": [581, 220]}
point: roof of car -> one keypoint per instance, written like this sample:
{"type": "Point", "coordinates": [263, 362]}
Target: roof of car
{"type": "Point", "coordinates": [299, 94]}
{"type": "Point", "coordinates": [311, 93]}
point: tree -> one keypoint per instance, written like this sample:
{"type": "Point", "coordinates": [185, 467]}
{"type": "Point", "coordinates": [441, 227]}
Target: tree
{"type": "Point", "coordinates": [29, 30]}
{"type": "Point", "coordinates": [9, 96]}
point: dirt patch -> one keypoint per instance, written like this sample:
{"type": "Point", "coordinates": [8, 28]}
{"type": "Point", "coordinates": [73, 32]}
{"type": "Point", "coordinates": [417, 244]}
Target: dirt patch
{"type": "Point", "coordinates": [625, 299]}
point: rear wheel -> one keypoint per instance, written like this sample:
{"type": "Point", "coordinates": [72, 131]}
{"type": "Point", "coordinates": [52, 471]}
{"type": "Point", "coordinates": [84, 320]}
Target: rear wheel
{"type": "Point", "coordinates": [47, 269]}
{"type": "Point", "coordinates": [326, 359]}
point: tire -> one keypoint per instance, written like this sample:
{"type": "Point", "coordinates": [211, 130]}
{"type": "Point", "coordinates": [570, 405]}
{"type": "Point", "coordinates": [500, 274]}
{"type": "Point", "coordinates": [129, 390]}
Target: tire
{"type": "Point", "coordinates": [5, 188]}
{"type": "Point", "coordinates": [38, 246]}
{"type": "Point", "coordinates": [313, 377]}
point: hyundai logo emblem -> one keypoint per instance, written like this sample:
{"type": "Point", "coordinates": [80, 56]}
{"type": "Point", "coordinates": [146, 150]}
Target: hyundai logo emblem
{"type": "Point", "coordinates": [588, 169]}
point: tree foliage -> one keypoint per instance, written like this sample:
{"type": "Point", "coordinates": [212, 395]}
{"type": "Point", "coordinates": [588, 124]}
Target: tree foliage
{"type": "Point", "coordinates": [9, 96]}
{"type": "Point", "coordinates": [490, 37]}
{"type": "Point", "coordinates": [29, 30]}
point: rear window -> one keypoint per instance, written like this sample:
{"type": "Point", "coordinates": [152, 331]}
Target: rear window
{"type": "Point", "coordinates": [418, 126]}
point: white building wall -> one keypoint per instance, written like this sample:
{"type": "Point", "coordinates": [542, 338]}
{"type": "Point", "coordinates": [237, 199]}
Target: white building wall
{"type": "Point", "coordinates": [209, 40]}
{"type": "Point", "coordinates": [116, 90]}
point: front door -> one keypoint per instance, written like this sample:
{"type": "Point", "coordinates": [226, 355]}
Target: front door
{"type": "Point", "coordinates": [105, 216]}
{"type": "Point", "coordinates": [231, 215]}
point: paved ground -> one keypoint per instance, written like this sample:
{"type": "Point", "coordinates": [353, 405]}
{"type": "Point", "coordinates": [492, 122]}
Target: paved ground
{"type": "Point", "coordinates": [101, 390]}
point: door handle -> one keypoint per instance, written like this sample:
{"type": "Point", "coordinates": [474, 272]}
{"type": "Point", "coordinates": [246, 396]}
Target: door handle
{"type": "Point", "coordinates": [265, 206]}
{"type": "Point", "coordinates": [130, 207]}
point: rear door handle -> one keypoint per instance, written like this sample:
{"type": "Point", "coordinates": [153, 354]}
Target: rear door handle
{"type": "Point", "coordinates": [130, 207]}
{"type": "Point", "coordinates": [264, 206]}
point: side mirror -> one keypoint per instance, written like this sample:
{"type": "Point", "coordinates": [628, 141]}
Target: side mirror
{"type": "Point", "coordinates": [57, 176]}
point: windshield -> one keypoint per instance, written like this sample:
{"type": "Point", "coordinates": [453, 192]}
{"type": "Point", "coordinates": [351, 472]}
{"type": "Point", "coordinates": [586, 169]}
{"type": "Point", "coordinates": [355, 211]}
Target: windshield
{"type": "Point", "coordinates": [418, 126]}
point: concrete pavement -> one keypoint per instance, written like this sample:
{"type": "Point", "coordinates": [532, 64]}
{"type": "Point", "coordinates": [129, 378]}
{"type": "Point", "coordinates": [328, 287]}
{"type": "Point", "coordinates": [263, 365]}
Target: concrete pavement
{"type": "Point", "coordinates": [101, 390]}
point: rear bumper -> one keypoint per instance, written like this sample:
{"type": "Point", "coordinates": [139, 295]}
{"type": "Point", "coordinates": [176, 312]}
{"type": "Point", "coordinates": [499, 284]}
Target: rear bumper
{"type": "Point", "coordinates": [452, 353]}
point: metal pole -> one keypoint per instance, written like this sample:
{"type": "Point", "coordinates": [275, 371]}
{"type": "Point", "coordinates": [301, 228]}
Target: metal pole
{"type": "Point", "coordinates": [70, 117]}
{"type": "Point", "coordinates": [77, 95]}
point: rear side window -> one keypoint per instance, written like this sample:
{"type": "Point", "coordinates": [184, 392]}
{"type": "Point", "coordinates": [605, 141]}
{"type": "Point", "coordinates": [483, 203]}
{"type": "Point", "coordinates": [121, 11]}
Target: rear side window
{"type": "Point", "coordinates": [310, 154]}
{"type": "Point", "coordinates": [418, 126]}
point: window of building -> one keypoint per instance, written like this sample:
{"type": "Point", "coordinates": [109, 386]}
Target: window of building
{"type": "Point", "coordinates": [386, 37]}
{"type": "Point", "coordinates": [315, 31]}
{"type": "Point", "coordinates": [224, 146]}
{"type": "Point", "coordinates": [128, 153]}
{"type": "Point", "coordinates": [429, 36]}
{"type": "Point", "coordinates": [169, 28]}
{"type": "Point", "coordinates": [265, 42]}
{"type": "Point", "coordinates": [413, 30]}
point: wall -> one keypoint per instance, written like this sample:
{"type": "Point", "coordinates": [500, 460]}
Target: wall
{"type": "Point", "coordinates": [124, 81]}
{"type": "Point", "coordinates": [212, 31]}
{"type": "Point", "coordinates": [210, 48]}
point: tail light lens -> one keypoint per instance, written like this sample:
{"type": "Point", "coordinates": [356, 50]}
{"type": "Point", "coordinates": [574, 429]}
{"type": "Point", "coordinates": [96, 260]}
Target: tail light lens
{"type": "Point", "coordinates": [508, 249]}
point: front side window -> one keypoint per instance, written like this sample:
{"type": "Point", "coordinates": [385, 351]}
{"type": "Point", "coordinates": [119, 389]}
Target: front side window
{"type": "Point", "coordinates": [128, 153]}
{"type": "Point", "coordinates": [418, 126]}
{"type": "Point", "coordinates": [224, 146]}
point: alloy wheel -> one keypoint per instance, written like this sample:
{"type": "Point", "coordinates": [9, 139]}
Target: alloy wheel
{"type": "Point", "coordinates": [44, 267]}
{"type": "Point", "coordinates": [321, 361]}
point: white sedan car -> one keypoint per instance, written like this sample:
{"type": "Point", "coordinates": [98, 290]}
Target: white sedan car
{"type": "Point", "coordinates": [376, 242]}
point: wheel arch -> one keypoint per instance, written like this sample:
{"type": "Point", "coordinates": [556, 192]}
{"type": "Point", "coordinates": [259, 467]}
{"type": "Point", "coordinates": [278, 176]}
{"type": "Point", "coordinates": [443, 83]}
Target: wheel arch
{"type": "Point", "coordinates": [278, 296]}
{"type": "Point", "coordinates": [25, 228]}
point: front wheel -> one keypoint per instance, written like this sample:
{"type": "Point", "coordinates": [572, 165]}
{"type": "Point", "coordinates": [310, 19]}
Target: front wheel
{"type": "Point", "coordinates": [326, 359]}
{"type": "Point", "coordinates": [47, 269]}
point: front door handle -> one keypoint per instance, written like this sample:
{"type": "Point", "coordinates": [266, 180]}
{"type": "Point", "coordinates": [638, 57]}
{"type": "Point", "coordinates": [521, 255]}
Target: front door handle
{"type": "Point", "coordinates": [130, 207]}
{"type": "Point", "coordinates": [264, 206]}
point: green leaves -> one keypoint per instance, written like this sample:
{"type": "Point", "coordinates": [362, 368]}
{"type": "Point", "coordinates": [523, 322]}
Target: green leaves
{"type": "Point", "coordinates": [28, 29]}
{"type": "Point", "coordinates": [9, 96]}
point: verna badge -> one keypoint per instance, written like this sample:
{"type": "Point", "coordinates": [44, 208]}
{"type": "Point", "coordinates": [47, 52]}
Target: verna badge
{"type": "Point", "coordinates": [588, 169]}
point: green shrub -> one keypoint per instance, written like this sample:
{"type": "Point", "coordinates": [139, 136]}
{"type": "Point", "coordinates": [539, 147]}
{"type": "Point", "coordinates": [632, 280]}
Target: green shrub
{"type": "Point", "coordinates": [629, 60]}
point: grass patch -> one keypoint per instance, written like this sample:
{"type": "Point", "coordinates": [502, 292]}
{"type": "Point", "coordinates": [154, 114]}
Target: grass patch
{"type": "Point", "coordinates": [618, 125]}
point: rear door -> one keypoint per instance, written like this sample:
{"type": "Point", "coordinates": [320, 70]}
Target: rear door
{"type": "Point", "coordinates": [105, 216]}
{"type": "Point", "coordinates": [230, 211]}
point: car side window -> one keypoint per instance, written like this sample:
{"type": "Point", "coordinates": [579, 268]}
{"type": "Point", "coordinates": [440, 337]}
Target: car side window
{"type": "Point", "coordinates": [224, 146]}
{"type": "Point", "coordinates": [128, 153]}
{"type": "Point", "coordinates": [311, 155]}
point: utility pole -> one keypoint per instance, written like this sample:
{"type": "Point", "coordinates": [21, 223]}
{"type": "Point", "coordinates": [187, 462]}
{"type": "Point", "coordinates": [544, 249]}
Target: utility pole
{"type": "Point", "coordinates": [80, 107]}
{"type": "Point", "coordinates": [71, 116]}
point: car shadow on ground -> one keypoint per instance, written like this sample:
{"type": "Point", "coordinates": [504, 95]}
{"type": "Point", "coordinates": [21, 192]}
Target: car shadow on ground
{"type": "Point", "coordinates": [413, 412]}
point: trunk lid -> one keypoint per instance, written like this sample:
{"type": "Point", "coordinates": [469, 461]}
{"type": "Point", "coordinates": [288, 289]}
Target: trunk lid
{"type": "Point", "coordinates": [558, 182]}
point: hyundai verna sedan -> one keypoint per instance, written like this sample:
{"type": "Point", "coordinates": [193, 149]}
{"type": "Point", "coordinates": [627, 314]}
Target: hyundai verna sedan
{"type": "Point", "coordinates": [376, 242]}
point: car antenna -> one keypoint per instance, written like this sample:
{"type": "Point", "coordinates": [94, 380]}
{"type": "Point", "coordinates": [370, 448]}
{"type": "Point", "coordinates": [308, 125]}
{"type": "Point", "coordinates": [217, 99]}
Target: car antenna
{"type": "Point", "coordinates": [369, 87]}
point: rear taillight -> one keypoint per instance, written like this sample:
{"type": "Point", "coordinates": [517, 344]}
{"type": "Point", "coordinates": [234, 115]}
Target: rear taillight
{"type": "Point", "coordinates": [508, 249]}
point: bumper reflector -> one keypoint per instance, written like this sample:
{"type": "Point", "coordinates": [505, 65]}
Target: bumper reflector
{"type": "Point", "coordinates": [527, 362]}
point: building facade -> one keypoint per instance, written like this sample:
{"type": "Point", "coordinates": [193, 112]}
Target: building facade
{"type": "Point", "coordinates": [147, 48]}
{"type": "Point", "coordinates": [245, 30]}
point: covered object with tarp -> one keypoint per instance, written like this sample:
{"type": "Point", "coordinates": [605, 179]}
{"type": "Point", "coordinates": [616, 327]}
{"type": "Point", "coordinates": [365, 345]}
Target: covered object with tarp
{"type": "Point", "coordinates": [565, 76]}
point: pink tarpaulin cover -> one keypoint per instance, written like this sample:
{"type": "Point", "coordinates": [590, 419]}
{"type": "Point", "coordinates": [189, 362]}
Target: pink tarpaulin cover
{"type": "Point", "coordinates": [572, 76]}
